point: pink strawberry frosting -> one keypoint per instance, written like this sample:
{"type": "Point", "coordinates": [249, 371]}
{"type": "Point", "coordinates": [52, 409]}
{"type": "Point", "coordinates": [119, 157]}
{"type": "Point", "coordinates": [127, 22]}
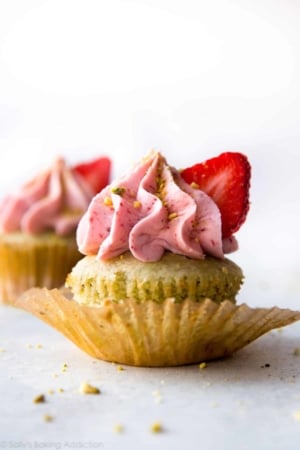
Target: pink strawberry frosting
{"type": "Point", "coordinates": [151, 210]}
{"type": "Point", "coordinates": [54, 200]}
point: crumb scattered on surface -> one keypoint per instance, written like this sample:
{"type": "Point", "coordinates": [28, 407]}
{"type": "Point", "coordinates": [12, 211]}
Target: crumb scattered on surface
{"type": "Point", "coordinates": [202, 365]}
{"type": "Point", "coordinates": [156, 427]}
{"type": "Point", "coordinates": [214, 404]}
{"type": "Point", "coordinates": [38, 346]}
{"type": "Point", "coordinates": [29, 346]}
{"type": "Point", "coordinates": [86, 388]}
{"type": "Point", "coordinates": [265, 365]}
{"type": "Point", "coordinates": [2, 350]}
{"type": "Point", "coordinates": [118, 428]}
{"type": "Point", "coordinates": [50, 391]}
{"type": "Point", "coordinates": [296, 351]}
{"type": "Point", "coordinates": [120, 368]}
{"type": "Point", "coordinates": [157, 396]}
{"type": "Point", "coordinates": [48, 418]}
{"type": "Point", "coordinates": [39, 399]}
{"type": "Point", "coordinates": [60, 390]}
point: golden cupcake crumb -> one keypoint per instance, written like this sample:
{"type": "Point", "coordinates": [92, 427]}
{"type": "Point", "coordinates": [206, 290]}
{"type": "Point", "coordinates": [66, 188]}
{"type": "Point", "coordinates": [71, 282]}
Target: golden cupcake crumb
{"type": "Point", "coordinates": [60, 390]}
{"type": "Point", "coordinates": [120, 369]}
{"type": "Point", "coordinates": [86, 388]}
{"type": "Point", "coordinates": [50, 391]}
{"type": "Point", "coordinates": [39, 399]}
{"type": "Point", "coordinates": [156, 427]}
{"type": "Point", "coordinates": [296, 351]}
{"type": "Point", "coordinates": [118, 428]}
{"type": "Point", "coordinates": [48, 418]}
{"type": "Point", "coordinates": [38, 346]}
{"type": "Point", "coordinates": [202, 365]}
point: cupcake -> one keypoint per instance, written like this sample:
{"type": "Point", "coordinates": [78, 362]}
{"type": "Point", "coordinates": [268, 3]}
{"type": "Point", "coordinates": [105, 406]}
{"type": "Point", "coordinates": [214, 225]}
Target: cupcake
{"type": "Point", "coordinates": [154, 287]}
{"type": "Point", "coordinates": [38, 222]}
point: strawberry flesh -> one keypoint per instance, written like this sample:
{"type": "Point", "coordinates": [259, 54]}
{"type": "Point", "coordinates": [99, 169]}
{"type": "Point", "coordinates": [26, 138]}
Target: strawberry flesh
{"type": "Point", "coordinates": [96, 173]}
{"type": "Point", "coordinates": [226, 179]}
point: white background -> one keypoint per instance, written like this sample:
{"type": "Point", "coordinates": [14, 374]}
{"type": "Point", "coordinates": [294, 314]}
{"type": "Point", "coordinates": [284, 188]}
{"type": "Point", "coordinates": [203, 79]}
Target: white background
{"type": "Point", "coordinates": [191, 78]}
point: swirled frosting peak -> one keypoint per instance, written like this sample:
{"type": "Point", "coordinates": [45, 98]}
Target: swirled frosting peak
{"type": "Point", "coordinates": [54, 200]}
{"type": "Point", "coordinates": [148, 211]}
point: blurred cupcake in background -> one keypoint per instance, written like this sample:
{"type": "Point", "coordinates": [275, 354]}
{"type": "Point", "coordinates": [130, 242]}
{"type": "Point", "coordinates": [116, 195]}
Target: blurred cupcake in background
{"type": "Point", "coordinates": [38, 222]}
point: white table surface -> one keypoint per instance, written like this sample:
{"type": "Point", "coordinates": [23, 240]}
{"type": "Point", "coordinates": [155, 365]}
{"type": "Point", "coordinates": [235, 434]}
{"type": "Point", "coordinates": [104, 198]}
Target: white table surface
{"type": "Point", "coordinates": [237, 403]}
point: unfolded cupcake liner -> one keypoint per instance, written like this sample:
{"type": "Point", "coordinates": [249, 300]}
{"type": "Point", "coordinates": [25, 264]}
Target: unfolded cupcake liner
{"type": "Point", "coordinates": [151, 334]}
{"type": "Point", "coordinates": [34, 261]}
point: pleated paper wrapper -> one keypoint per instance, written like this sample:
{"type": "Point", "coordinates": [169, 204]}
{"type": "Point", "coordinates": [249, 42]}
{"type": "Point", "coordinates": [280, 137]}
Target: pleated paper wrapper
{"type": "Point", "coordinates": [34, 261]}
{"type": "Point", "coordinates": [152, 334]}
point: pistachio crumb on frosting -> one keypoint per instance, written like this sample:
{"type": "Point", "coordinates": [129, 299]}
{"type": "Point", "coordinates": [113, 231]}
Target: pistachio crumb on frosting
{"type": "Point", "coordinates": [172, 216]}
{"type": "Point", "coordinates": [118, 190]}
{"type": "Point", "coordinates": [107, 201]}
{"type": "Point", "coordinates": [137, 204]}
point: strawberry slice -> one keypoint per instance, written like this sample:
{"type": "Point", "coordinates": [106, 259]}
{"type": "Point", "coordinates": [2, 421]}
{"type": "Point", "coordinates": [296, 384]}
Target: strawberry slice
{"type": "Point", "coordinates": [96, 173]}
{"type": "Point", "coordinates": [226, 179]}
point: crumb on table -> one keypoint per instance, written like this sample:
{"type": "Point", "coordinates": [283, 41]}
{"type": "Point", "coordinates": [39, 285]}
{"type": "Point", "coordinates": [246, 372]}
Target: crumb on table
{"type": "Point", "coordinates": [39, 399]}
{"type": "Point", "coordinates": [48, 418]}
{"type": "Point", "coordinates": [86, 388]}
{"type": "Point", "coordinates": [118, 428]}
{"type": "Point", "coordinates": [156, 427]}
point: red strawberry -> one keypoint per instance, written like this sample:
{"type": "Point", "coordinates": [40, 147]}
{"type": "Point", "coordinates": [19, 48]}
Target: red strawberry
{"type": "Point", "coordinates": [226, 179]}
{"type": "Point", "coordinates": [96, 173]}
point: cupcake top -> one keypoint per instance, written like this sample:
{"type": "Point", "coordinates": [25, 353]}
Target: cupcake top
{"type": "Point", "coordinates": [153, 209]}
{"type": "Point", "coordinates": [54, 200]}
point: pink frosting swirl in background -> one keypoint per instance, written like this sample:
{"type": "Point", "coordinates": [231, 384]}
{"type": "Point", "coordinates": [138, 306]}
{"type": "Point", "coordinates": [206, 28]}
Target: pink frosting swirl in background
{"type": "Point", "coordinates": [151, 210]}
{"type": "Point", "coordinates": [54, 200]}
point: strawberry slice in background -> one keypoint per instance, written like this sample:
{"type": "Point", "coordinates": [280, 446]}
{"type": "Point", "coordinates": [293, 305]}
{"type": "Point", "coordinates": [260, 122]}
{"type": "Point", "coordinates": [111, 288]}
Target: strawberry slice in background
{"type": "Point", "coordinates": [226, 179]}
{"type": "Point", "coordinates": [96, 172]}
